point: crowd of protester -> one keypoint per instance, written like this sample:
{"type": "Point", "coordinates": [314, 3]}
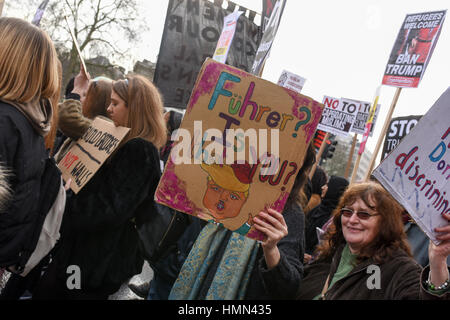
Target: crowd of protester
{"type": "Point", "coordinates": [326, 243]}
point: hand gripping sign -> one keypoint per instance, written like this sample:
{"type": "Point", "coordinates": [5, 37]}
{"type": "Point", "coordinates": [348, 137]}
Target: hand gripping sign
{"type": "Point", "coordinates": [239, 148]}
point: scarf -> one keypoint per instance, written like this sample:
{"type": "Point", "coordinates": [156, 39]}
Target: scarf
{"type": "Point", "coordinates": [38, 113]}
{"type": "Point", "coordinates": [234, 266]}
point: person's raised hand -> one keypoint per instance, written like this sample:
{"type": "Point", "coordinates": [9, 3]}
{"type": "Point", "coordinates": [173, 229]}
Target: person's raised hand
{"type": "Point", "coordinates": [81, 82]}
{"type": "Point", "coordinates": [273, 225]}
{"type": "Point", "coordinates": [437, 254]}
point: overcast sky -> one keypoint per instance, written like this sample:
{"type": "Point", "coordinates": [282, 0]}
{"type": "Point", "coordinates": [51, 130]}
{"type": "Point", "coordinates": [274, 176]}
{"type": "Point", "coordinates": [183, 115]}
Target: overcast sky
{"type": "Point", "coordinates": [340, 47]}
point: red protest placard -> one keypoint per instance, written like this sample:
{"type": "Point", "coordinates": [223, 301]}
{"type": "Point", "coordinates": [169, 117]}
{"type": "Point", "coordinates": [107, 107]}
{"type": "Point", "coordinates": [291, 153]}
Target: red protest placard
{"type": "Point", "coordinates": [413, 49]}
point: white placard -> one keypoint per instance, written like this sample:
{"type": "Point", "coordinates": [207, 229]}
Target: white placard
{"type": "Point", "coordinates": [417, 172]}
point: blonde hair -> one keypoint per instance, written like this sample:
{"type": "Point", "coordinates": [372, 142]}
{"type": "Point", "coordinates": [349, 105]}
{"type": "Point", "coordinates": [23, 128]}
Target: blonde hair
{"type": "Point", "coordinates": [28, 62]}
{"type": "Point", "coordinates": [50, 137]}
{"type": "Point", "coordinates": [145, 109]}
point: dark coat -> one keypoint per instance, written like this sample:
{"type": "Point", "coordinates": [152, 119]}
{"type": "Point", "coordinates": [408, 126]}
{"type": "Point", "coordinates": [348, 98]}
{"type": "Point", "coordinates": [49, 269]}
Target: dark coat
{"type": "Point", "coordinates": [22, 151]}
{"type": "Point", "coordinates": [283, 281]}
{"type": "Point", "coordinates": [399, 280]}
{"type": "Point", "coordinates": [98, 232]}
{"type": "Point", "coordinates": [319, 215]}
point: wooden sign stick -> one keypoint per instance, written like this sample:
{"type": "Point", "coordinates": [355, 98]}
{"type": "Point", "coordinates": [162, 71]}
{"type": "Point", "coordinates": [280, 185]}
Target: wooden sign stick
{"type": "Point", "coordinates": [350, 157]}
{"type": "Point", "coordinates": [355, 168]}
{"type": "Point", "coordinates": [75, 41]}
{"type": "Point", "coordinates": [383, 133]}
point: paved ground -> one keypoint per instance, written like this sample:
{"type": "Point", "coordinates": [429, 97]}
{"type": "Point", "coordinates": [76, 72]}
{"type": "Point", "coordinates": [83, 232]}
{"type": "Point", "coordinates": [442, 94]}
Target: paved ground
{"type": "Point", "coordinates": [125, 293]}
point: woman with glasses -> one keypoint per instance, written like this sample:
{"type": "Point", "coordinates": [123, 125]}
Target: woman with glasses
{"type": "Point", "coordinates": [365, 254]}
{"type": "Point", "coordinates": [99, 246]}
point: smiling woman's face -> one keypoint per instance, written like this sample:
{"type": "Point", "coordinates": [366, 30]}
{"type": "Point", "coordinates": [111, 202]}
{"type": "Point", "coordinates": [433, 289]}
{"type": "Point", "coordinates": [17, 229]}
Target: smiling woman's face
{"type": "Point", "coordinates": [358, 233]}
{"type": "Point", "coordinates": [223, 203]}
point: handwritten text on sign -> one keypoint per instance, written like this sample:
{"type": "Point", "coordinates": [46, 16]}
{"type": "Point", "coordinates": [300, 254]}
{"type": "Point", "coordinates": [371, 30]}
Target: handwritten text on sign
{"type": "Point", "coordinates": [90, 152]}
{"type": "Point", "coordinates": [417, 172]}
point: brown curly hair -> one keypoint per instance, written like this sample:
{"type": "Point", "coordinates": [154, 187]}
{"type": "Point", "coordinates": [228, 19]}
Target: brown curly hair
{"type": "Point", "coordinates": [389, 238]}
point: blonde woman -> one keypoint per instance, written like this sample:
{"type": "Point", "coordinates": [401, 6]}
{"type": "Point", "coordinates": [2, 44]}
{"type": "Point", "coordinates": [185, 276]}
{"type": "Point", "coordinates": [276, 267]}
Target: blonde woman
{"type": "Point", "coordinates": [98, 233]}
{"type": "Point", "coordinates": [28, 81]}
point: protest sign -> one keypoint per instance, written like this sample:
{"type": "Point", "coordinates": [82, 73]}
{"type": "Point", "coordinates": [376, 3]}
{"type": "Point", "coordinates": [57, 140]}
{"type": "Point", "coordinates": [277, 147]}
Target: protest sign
{"type": "Point", "coordinates": [291, 81]}
{"type": "Point", "coordinates": [226, 37]}
{"type": "Point", "coordinates": [398, 128]}
{"type": "Point", "coordinates": [239, 148]}
{"type": "Point", "coordinates": [268, 7]}
{"type": "Point", "coordinates": [362, 116]}
{"type": "Point", "coordinates": [417, 172]}
{"type": "Point", "coordinates": [413, 48]}
{"type": "Point", "coordinates": [338, 115]}
{"type": "Point", "coordinates": [267, 39]}
{"type": "Point", "coordinates": [191, 32]}
{"type": "Point", "coordinates": [39, 13]}
{"type": "Point", "coordinates": [83, 160]}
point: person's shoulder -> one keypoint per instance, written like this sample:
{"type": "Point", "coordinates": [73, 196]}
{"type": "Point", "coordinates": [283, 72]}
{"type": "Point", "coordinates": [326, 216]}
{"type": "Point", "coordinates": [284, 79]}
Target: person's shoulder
{"type": "Point", "coordinates": [139, 143]}
{"type": "Point", "coordinates": [294, 216]}
{"type": "Point", "coordinates": [7, 109]}
{"type": "Point", "coordinates": [10, 117]}
{"type": "Point", "coordinates": [138, 147]}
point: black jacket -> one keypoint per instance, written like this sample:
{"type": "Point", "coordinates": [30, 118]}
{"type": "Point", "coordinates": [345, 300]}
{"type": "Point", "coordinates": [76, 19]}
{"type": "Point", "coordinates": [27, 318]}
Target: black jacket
{"type": "Point", "coordinates": [22, 151]}
{"type": "Point", "coordinates": [283, 281]}
{"type": "Point", "coordinates": [319, 215]}
{"type": "Point", "coordinates": [98, 232]}
{"type": "Point", "coordinates": [401, 278]}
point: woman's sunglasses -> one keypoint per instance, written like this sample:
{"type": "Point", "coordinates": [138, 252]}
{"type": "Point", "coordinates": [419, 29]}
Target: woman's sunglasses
{"type": "Point", "coordinates": [346, 212]}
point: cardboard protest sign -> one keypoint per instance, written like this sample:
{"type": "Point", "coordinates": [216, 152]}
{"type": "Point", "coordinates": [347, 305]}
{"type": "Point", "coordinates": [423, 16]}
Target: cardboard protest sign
{"type": "Point", "coordinates": [226, 37]}
{"type": "Point", "coordinates": [338, 115]}
{"type": "Point", "coordinates": [83, 160]}
{"type": "Point", "coordinates": [291, 81]}
{"type": "Point", "coordinates": [362, 116]}
{"type": "Point", "coordinates": [398, 128]}
{"type": "Point", "coordinates": [417, 172]}
{"type": "Point", "coordinates": [239, 148]}
{"type": "Point", "coordinates": [413, 48]}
